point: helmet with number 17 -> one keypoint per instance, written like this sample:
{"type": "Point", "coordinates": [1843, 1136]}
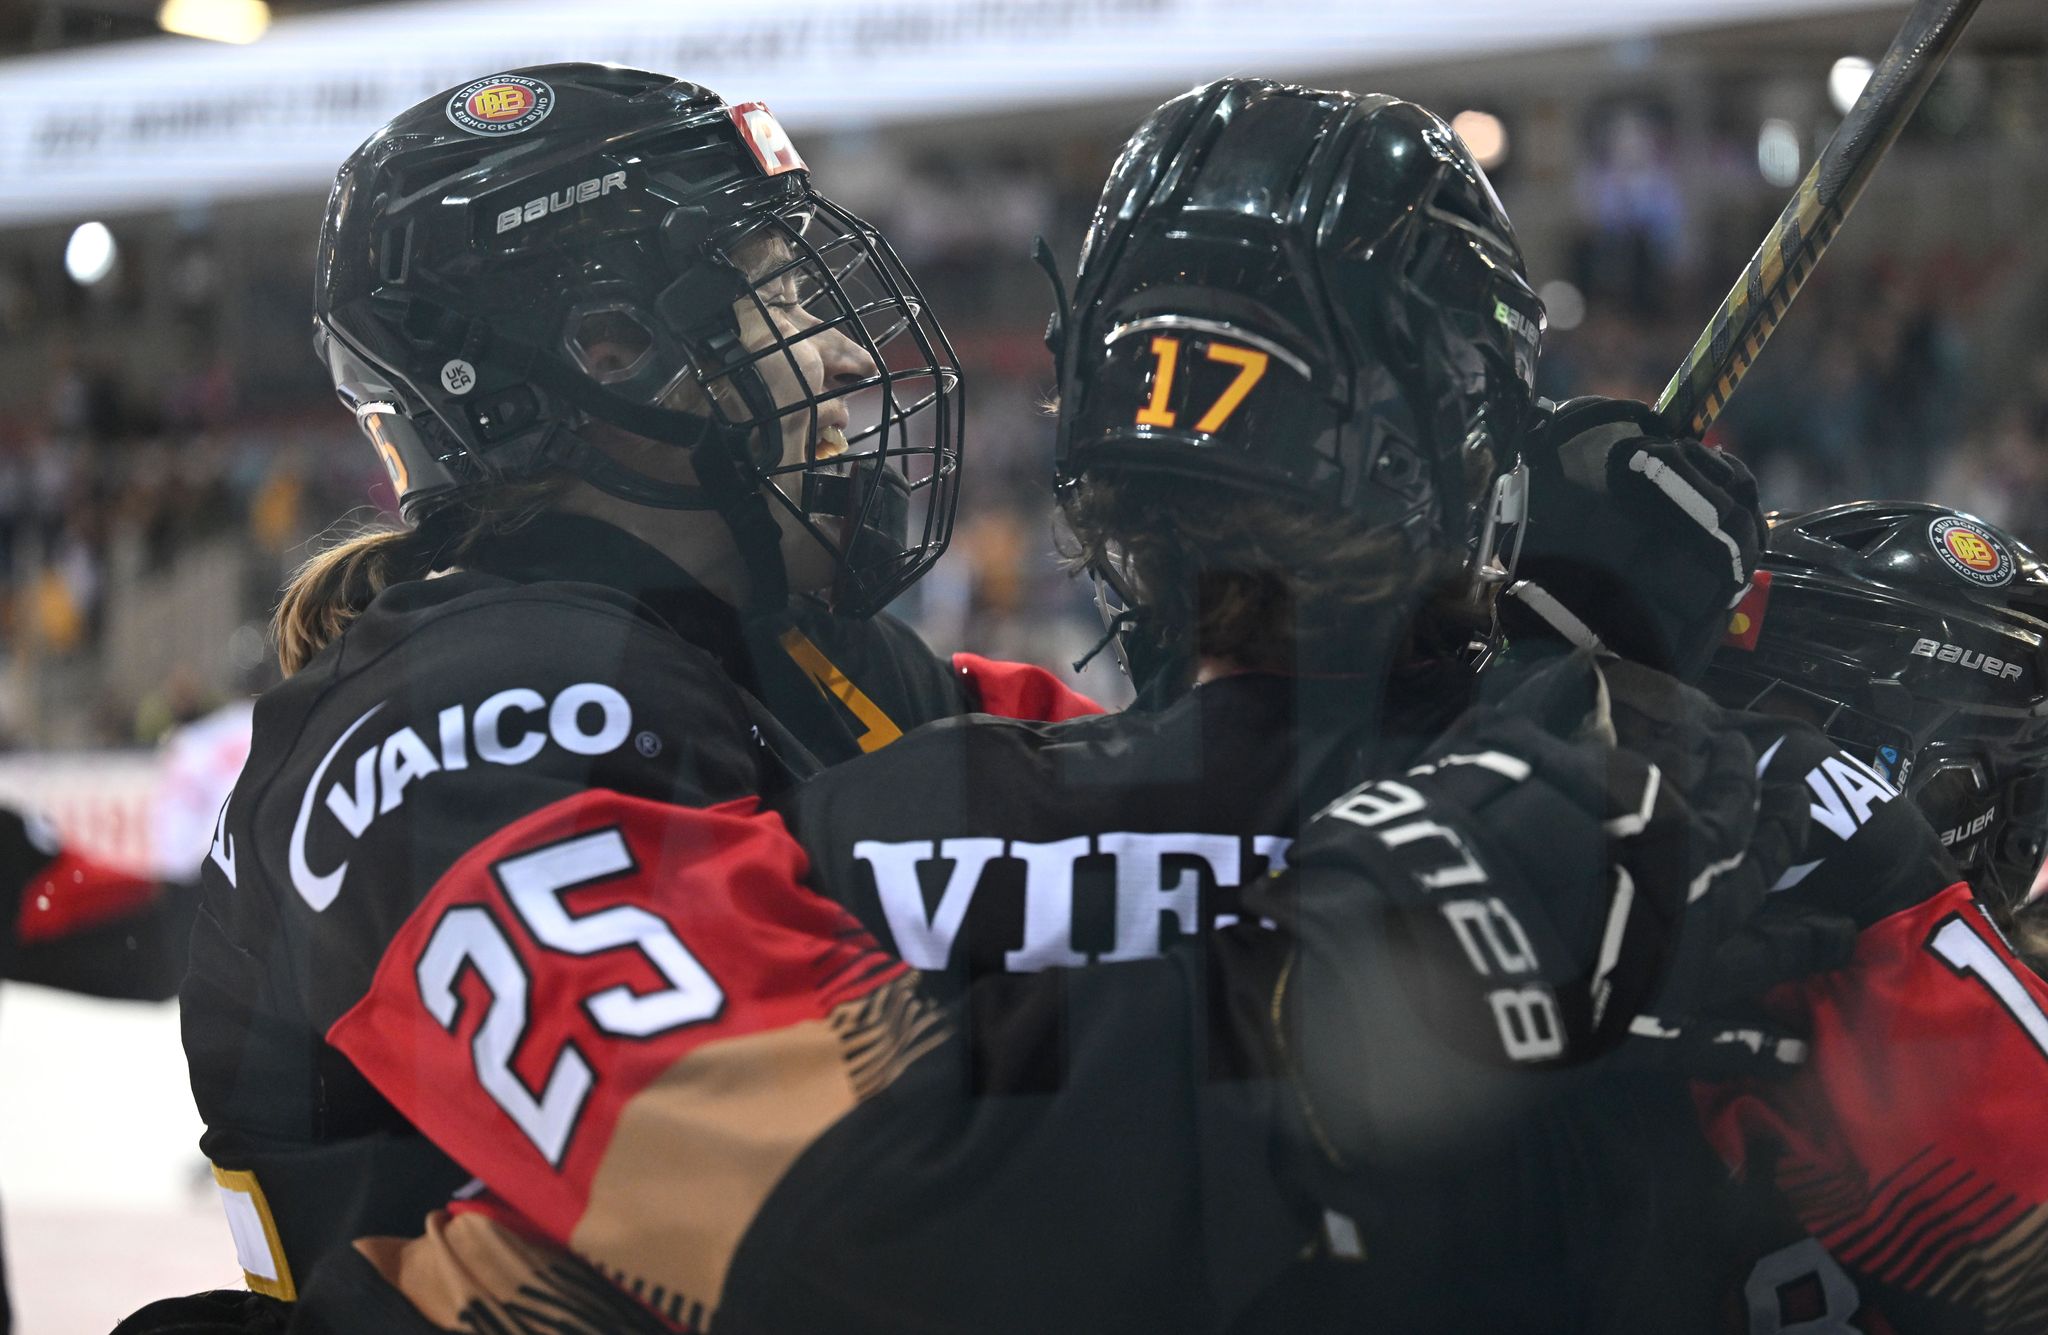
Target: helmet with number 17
{"type": "Point", "coordinates": [1308, 294]}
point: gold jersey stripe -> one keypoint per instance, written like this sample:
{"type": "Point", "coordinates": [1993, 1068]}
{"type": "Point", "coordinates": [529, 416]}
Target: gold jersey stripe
{"type": "Point", "coordinates": [881, 729]}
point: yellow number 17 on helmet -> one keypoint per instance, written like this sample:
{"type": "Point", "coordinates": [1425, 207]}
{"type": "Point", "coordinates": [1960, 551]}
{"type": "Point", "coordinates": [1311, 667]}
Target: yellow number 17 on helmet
{"type": "Point", "coordinates": [1250, 363]}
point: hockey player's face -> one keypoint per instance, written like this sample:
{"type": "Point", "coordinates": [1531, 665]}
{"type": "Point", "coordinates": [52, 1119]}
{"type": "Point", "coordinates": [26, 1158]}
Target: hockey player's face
{"type": "Point", "coordinates": [811, 360]}
{"type": "Point", "coordinates": [805, 360]}
{"type": "Point", "coordinates": [802, 360]}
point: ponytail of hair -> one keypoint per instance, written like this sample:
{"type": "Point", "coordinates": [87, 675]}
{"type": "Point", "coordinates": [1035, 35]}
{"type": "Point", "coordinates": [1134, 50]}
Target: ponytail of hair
{"type": "Point", "coordinates": [334, 586]}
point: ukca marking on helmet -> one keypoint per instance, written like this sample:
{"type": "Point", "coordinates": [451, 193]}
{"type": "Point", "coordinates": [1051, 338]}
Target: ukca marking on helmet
{"type": "Point", "coordinates": [535, 254]}
{"type": "Point", "coordinates": [1862, 627]}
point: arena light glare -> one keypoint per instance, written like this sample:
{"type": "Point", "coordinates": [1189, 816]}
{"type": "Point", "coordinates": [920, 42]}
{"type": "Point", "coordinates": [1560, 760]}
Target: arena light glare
{"type": "Point", "coordinates": [237, 21]}
{"type": "Point", "coordinates": [89, 255]}
{"type": "Point", "coordinates": [1484, 134]}
{"type": "Point", "coordinates": [1563, 303]}
{"type": "Point", "coordinates": [1777, 152]}
{"type": "Point", "coordinates": [1846, 80]}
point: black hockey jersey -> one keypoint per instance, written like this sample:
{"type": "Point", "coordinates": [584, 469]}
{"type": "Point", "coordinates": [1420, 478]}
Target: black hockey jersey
{"type": "Point", "coordinates": [1891, 1183]}
{"type": "Point", "coordinates": [985, 846]}
{"type": "Point", "coordinates": [1121, 1121]}
{"type": "Point", "coordinates": [454, 706]}
{"type": "Point", "coordinates": [801, 1140]}
{"type": "Point", "coordinates": [1877, 1181]}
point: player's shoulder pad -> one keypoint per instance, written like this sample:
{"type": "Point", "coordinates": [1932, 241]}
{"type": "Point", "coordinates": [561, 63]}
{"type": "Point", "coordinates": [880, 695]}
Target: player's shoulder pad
{"type": "Point", "coordinates": [417, 641]}
{"type": "Point", "coordinates": [493, 611]}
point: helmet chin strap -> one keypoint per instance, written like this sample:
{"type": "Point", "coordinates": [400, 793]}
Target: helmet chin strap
{"type": "Point", "coordinates": [723, 488]}
{"type": "Point", "coordinates": [738, 498]}
{"type": "Point", "coordinates": [569, 451]}
{"type": "Point", "coordinates": [1159, 673]}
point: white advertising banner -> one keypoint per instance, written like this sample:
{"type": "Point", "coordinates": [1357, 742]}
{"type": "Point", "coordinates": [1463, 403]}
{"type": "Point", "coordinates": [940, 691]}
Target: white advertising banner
{"type": "Point", "coordinates": [102, 802]}
{"type": "Point", "coordinates": [168, 121]}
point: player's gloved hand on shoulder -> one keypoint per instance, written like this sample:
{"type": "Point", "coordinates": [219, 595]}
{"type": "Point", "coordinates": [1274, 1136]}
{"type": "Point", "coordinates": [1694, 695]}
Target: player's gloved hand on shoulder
{"type": "Point", "coordinates": [1713, 1022]}
{"type": "Point", "coordinates": [1712, 1018]}
{"type": "Point", "coordinates": [1523, 886]}
{"type": "Point", "coordinates": [1635, 541]}
{"type": "Point", "coordinates": [1689, 737]}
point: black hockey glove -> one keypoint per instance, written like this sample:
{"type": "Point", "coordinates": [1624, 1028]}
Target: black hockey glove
{"type": "Point", "coordinates": [1636, 542]}
{"type": "Point", "coordinates": [1527, 882]}
{"type": "Point", "coordinates": [1511, 903]}
{"type": "Point", "coordinates": [1722, 952]}
{"type": "Point", "coordinates": [1710, 1022]}
{"type": "Point", "coordinates": [1711, 1019]}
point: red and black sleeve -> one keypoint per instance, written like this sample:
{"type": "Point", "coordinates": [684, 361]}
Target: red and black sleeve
{"type": "Point", "coordinates": [83, 926]}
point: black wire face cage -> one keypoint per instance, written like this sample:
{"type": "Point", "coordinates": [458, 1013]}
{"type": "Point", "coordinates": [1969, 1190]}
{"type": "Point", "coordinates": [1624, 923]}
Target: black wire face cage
{"type": "Point", "coordinates": [839, 380]}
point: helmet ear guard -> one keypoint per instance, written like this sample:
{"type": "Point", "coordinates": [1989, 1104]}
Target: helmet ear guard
{"type": "Point", "coordinates": [414, 454]}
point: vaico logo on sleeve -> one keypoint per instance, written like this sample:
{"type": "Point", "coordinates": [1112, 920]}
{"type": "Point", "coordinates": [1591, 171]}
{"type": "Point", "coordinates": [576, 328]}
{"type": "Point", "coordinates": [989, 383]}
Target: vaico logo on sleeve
{"type": "Point", "coordinates": [501, 104]}
{"type": "Point", "coordinates": [509, 728]}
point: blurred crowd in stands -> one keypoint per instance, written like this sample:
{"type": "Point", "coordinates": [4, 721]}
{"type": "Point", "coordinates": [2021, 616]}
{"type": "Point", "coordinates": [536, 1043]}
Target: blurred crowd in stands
{"type": "Point", "coordinates": [1873, 388]}
{"type": "Point", "coordinates": [1874, 392]}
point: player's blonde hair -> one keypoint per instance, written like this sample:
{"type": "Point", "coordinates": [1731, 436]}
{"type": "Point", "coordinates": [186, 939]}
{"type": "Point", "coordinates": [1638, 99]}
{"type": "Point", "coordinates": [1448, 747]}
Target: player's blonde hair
{"type": "Point", "coordinates": [337, 582]}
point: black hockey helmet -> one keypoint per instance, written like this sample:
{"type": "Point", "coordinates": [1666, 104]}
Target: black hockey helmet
{"type": "Point", "coordinates": [1305, 292]}
{"type": "Point", "coordinates": [1916, 637]}
{"type": "Point", "coordinates": [513, 260]}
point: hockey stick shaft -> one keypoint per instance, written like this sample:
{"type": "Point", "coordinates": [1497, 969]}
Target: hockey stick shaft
{"type": "Point", "coordinates": [1753, 307]}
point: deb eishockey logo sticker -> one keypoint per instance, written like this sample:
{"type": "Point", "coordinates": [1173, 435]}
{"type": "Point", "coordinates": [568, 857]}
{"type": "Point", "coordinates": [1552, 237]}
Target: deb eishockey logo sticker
{"type": "Point", "coordinates": [501, 104]}
{"type": "Point", "coordinates": [1971, 552]}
